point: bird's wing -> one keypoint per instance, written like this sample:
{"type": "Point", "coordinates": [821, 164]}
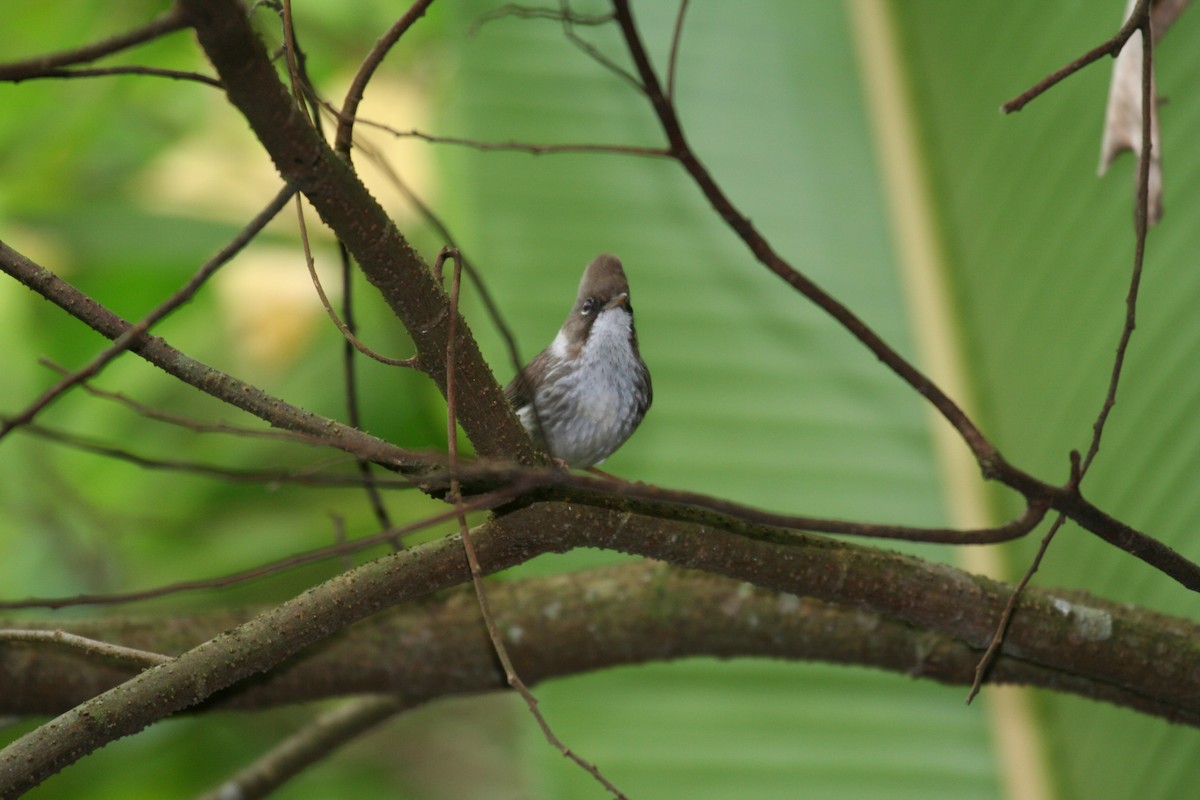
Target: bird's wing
{"type": "Point", "coordinates": [519, 392]}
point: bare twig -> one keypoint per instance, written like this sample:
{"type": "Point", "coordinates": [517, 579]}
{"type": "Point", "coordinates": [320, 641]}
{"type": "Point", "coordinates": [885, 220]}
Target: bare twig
{"type": "Point", "coordinates": [991, 463]}
{"type": "Point", "coordinates": [591, 51]}
{"type": "Point", "coordinates": [1141, 228]}
{"type": "Point", "coordinates": [104, 72]}
{"type": "Point", "coordinates": [212, 381]}
{"type": "Point", "coordinates": [989, 459]}
{"type": "Point", "coordinates": [478, 503]}
{"type": "Point", "coordinates": [518, 11]}
{"type": "Point", "coordinates": [343, 140]}
{"type": "Point", "coordinates": [302, 87]}
{"type": "Point", "coordinates": [170, 20]}
{"type": "Point", "coordinates": [307, 477]}
{"type": "Point", "coordinates": [315, 741]}
{"type": "Point", "coordinates": [125, 340]}
{"type": "Point", "coordinates": [179, 420]}
{"type": "Point", "coordinates": [1108, 48]}
{"type": "Point", "coordinates": [568, 19]}
{"type": "Point", "coordinates": [90, 647]}
{"type": "Point", "coordinates": [992, 652]}
{"type": "Point", "coordinates": [1079, 468]}
{"type": "Point", "coordinates": [532, 148]}
{"type": "Point", "coordinates": [673, 58]}
{"type": "Point", "coordinates": [510, 672]}
{"type": "Point", "coordinates": [354, 94]}
{"type": "Point", "coordinates": [411, 361]}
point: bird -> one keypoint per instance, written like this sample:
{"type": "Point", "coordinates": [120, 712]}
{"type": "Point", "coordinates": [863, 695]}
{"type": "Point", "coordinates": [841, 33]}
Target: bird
{"type": "Point", "coordinates": [584, 395]}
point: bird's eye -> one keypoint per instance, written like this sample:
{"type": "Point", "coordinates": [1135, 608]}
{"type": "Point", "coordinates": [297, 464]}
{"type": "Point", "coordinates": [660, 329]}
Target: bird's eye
{"type": "Point", "coordinates": [589, 305]}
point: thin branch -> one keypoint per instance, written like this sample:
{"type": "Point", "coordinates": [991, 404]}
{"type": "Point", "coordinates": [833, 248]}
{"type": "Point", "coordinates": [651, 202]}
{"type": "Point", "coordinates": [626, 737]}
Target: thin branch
{"type": "Point", "coordinates": [169, 21]}
{"type": "Point", "coordinates": [103, 72]}
{"type": "Point", "coordinates": [518, 11]}
{"type": "Point", "coordinates": [1109, 48]}
{"type": "Point", "coordinates": [532, 148]}
{"type": "Point", "coordinates": [988, 659]}
{"type": "Point", "coordinates": [82, 644]}
{"type": "Point", "coordinates": [126, 339]}
{"type": "Point", "coordinates": [180, 420]}
{"type": "Point", "coordinates": [343, 139]}
{"type": "Point", "coordinates": [568, 19]}
{"type": "Point", "coordinates": [542, 483]}
{"type": "Point", "coordinates": [1141, 227]}
{"type": "Point", "coordinates": [591, 51]}
{"type": "Point", "coordinates": [212, 381]}
{"type": "Point", "coordinates": [510, 672]}
{"type": "Point", "coordinates": [985, 453]}
{"type": "Point", "coordinates": [302, 86]}
{"type": "Point", "coordinates": [273, 478]}
{"type": "Point", "coordinates": [358, 86]}
{"type": "Point", "coordinates": [349, 336]}
{"type": "Point", "coordinates": [991, 463]}
{"type": "Point", "coordinates": [314, 742]}
{"type": "Point", "coordinates": [673, 58]}
{"type": "Point", "coordinates": [480, 503]}
{"type": "Point", "coordinates": [675, 503]}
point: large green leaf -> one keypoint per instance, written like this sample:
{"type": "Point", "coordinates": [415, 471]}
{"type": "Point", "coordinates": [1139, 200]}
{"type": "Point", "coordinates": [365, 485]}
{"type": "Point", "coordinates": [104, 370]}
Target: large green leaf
{"type": "Point", "coordinates": [1040, 255]}
{"type": "Point", "coordinates": [758, 396]}
{"type": "Point", "coordinates": [761, 398]}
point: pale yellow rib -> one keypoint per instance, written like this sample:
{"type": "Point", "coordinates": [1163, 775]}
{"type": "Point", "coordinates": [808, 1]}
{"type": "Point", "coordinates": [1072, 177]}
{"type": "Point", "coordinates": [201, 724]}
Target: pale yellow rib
{"type": "Point", "coordinates": [1019, 746]}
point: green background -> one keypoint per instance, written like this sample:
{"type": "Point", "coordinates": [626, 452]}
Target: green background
{"type": "Point", "coordinates": [759, 397]}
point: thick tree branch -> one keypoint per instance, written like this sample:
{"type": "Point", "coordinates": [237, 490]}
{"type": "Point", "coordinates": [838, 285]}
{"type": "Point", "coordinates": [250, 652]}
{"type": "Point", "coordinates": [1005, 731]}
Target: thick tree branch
{"type": "Point", "coordinates": [1075, 635]}
{"type": "Point", "coordinates": [624, 615]}
{"type": "Point", "coordinates": [307, 162]}
{"type": "Point", "coordinates": [207, 379]}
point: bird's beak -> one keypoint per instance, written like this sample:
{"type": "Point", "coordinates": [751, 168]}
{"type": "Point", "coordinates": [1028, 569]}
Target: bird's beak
{"type": "Point", "coordinates": [620, 300]}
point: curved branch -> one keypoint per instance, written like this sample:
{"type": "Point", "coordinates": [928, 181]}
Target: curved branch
{"type": "Point", "coordinates": [170, 20]}
{"type": "Point", "coordinates": [306, 747]}
{"type": "Point", "coordinates": [1074, 634]}
{"type": "Point", "coordinates": [104, 72]}
{"type": "Point", "coordinates": [985, 452]}
{"type": "Point", "coordinates": [1110, 48]}
{"type": "Point", "coordinates": [354, 95]}
{"type": "Point", "coordinates": [386, 258]}
{"type": "Point", "coordinates": [633, 613]}
{"type": "Point", "coordinates": [185, 293]}
{"type": "Point", "coordinates": [991, 463]}
{"type": "Point", "coordinates": [207, 379]}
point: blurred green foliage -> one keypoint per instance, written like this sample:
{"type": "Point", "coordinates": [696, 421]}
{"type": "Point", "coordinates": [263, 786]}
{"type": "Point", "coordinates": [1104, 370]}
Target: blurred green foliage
{"type": "Point", "coordinates": [125, 185]}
